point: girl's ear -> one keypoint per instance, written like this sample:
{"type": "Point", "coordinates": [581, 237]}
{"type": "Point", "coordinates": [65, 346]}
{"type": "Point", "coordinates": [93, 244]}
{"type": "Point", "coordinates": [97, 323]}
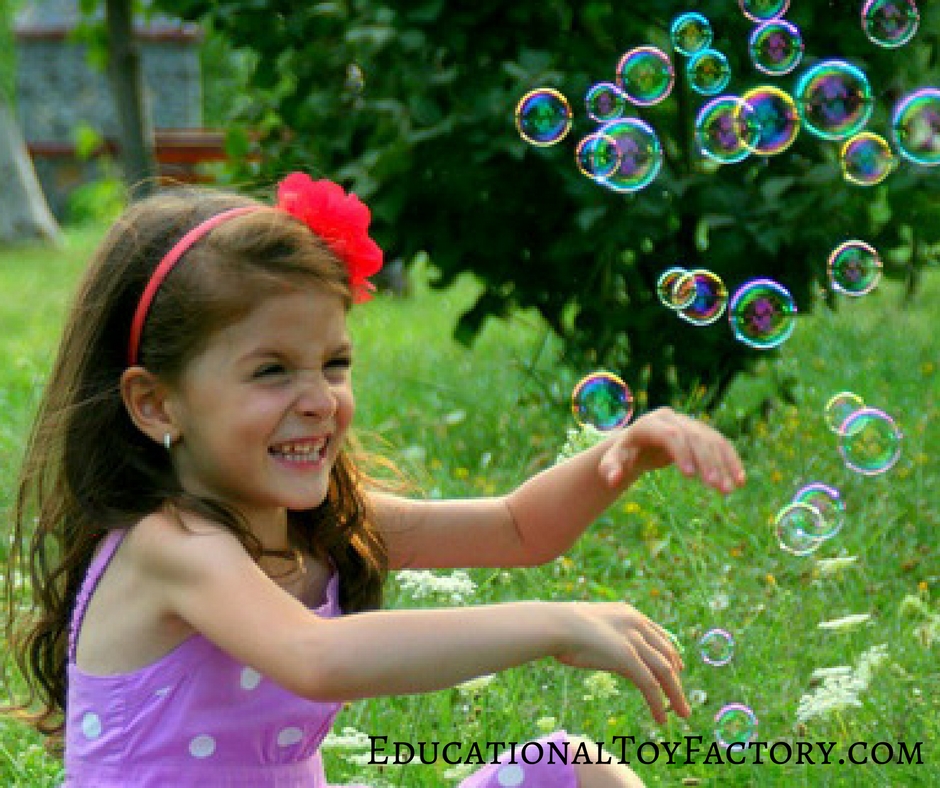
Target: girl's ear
{"type": "Point", "coordinates": [146, 399]}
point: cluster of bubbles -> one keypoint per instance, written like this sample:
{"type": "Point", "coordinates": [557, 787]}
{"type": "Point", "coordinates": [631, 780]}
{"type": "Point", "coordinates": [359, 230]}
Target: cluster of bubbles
{"type": "Point", "coordinates": [869, 439]}
{"type": "Point", "coordinates": [761, 312]}
{"type": "Point", "coordinates": [816, 513]}
{"type": "Point", "coordinates": [832, 100]}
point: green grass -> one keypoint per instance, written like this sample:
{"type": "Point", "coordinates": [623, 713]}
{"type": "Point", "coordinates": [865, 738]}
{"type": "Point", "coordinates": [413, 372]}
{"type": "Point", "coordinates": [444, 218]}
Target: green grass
{"type": "Point", "coordinates": [477, 421]}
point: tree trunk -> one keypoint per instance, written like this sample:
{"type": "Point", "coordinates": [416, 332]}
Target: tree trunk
{"type": "Point", "coordinates": [137, 157]}
{"type": "Point", "coordinates": [24, 214]}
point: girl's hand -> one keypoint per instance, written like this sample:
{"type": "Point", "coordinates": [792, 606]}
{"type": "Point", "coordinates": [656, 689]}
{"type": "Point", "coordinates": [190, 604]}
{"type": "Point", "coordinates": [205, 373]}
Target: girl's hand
{"type": "Point", "coordinates": [663, 437]}
{"type": "Point", "coordinates": [617, 638]}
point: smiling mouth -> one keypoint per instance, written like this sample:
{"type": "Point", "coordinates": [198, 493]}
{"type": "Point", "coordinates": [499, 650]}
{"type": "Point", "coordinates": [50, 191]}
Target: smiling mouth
{"type": "Point", "coordinates": [306, 451]}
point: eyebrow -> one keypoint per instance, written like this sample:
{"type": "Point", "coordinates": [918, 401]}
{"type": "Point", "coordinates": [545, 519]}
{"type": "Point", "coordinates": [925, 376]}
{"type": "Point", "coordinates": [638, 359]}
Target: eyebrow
{"type": "Point", "coordinates": [344, 347]}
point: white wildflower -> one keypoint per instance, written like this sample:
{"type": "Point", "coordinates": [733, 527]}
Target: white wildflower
{"type": "Point", "coordinates": [841, 689]}
{"type": "Point", "coordinates": [360, 758]}
{"type": "Point", "coordinates": [579, 440]}
{"type": "Point", "coordinates": [421, 583]}
{"type": "Point", "coordinates": [476, 684]}
{"type": "Point", "coordinates": [601, 686]}
{"type": "Point", "coordinates": [831, 566]}
{"type": "Point", "coordinates": [348, 739]}
{"type": "Point", "coordinates": [846, 622]}
{"type": "Point", "coordinates": [823, 673]}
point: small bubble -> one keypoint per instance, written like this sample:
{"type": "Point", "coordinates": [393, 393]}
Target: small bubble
{"type": "Point", "coordinates": [543, 116]}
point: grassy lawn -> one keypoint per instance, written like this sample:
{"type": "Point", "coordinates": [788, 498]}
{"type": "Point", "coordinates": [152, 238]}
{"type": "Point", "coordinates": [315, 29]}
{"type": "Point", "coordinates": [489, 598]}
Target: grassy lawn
{"type": "Point", "coordinates": [477, 421]}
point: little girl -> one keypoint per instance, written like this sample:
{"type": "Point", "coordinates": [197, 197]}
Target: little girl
{"type": "Point", "coordinates": [198, 534]}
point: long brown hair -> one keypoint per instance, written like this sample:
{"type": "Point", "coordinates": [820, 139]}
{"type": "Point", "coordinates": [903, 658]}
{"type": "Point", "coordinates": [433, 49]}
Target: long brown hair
{"type": "Point", "coordinates": [88, 469]}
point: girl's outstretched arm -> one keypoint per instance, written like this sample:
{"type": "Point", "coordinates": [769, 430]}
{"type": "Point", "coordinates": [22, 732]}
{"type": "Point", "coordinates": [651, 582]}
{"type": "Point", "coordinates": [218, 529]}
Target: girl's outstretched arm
{"type": "Point", "coordinates": [203, 575]}
{"type": "Point", "coordinates": [543, 517]}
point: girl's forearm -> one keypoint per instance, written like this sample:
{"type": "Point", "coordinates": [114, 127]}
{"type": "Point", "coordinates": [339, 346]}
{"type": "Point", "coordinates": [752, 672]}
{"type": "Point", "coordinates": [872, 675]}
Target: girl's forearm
{"type": "Point", "coordinates": [552, 509]}
{"type": "Point", "coordinates": [412, 651]}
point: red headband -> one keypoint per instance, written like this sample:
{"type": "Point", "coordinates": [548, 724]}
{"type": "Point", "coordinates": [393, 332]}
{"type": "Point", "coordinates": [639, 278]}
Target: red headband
{"type": "Point", "coordinates": [340, 220]}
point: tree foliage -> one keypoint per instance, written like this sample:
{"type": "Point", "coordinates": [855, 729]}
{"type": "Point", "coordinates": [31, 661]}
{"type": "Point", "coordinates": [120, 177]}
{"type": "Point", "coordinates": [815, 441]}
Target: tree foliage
{"type": "Point", "coordinates": [411, 105]}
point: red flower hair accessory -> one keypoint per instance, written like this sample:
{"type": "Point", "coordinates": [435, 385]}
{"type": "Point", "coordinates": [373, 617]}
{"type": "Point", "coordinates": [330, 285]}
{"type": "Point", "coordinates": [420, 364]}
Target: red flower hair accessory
{"type": "Point", "coordinates": [341, 220]}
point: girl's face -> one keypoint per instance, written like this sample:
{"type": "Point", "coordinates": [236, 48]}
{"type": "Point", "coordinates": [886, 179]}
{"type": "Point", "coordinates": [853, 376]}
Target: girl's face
{"type": "Point", "coordinates": [263, 411]}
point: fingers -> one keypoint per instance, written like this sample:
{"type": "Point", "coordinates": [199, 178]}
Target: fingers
{"type": "Point", "coordinates": [653, 675]}
{"type": "Point", "coordinates": [694, 447]}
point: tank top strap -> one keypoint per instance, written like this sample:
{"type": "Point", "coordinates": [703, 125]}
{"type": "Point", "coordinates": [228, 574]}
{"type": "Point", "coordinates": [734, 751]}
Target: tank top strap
{"type": "Point", "coordinates": [99, 563]}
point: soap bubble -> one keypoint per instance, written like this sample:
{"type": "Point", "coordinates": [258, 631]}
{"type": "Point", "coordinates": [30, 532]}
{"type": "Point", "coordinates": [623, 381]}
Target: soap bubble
{"type": "Point", "coordinates": [828, 502]}
{"type": "Point", "coordinates": [602, 400]}
{"type": "Point", "coordinates": [641, 155]}
{"type": "Point", "coordinates": [867, 159]}
{"type": "Point", "coordinates": [735, 724]}
{"type": "Point", "coordinates": [890, 23]}
{"type": "Point", "coordinates": [762, 314]}
{"type": "Point", "coordinates": [777, 119]}
{"type": "Point", "coordinates": [870, 442]}
{"type": "Point", "coordinates": [727, 129]}
{"type": "Point", "coordinates": [543, 117]}
{"type": "Point", "coordinates": [690, 32]}
{"type": "Point", "coordinates": [915, 124]}
{"type": "Point", "coordinates": [597, 156]}
{"type": "Point", "coordinates": [645, 75]}
{"type": "Point", "coordinates": [711, 298]}
{"type": "Point", "coordinates": [854, 268]}
{"type": "Point", "coordinates": [676, 288]}
{"type": "Point", "coordinates": [716, 647]}
{"type": "Point", "coordinates": [708, 72]}
{"type": "Point", "coordinates": [834, 99]}
{"type": "Point", "coordinates": [776, 47]}
{"type": "Point", "coordinates": [797, 526]}
{"type": "Point", "coordinates": [605, 102]}
{"type": "Point", "coordinates": [839, 407]}
{"type": "Point", "coordinates": [763, 10]}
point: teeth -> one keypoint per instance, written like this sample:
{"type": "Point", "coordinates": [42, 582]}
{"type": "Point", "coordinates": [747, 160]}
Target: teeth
{"type": "Point", "coordinates": [298, 452]}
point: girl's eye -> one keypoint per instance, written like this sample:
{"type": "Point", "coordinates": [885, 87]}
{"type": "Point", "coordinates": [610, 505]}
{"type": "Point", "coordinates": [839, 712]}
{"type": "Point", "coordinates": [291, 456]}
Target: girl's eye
{"type": "Point", "coordinates": [340, 363]}
{"type": "Point", "coordinates": [269, 369]}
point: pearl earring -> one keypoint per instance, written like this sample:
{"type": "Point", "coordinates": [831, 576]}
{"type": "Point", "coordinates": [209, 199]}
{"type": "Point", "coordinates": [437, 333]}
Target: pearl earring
{"type": "Point", "coordinates": [167, 441]}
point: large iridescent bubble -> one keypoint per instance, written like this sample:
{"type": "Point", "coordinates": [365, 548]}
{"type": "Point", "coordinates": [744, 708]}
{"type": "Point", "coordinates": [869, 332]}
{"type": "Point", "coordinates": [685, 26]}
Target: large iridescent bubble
{"type": "Point", "coordinates": [915, 124]}
{"type": "Point", "coordinates": [776, 47]}
{"type": "Point", "coordinates": [602, 400]}
{"type": "Point", "coordinates": [867, 159]}
{"type": "Point", "coordinates": [834, 99]}
{"type": "Point", "coordinates": [708, 72]}
{"type": "Point", "coordinates": [890, 23]}
{"type": "Point", "coordinates": [777, 118]}
{"type": "Point", "coordinates": [762, 314]}
{"type": "Point", "coordinates": [710, 301]}
{"type": "Point", "coordinates": [727, 129]}
{"type": "Point", "coordinates": [763, 10]}
{"type": "Point", "coordinates": [690, 32]}
{"type": "Point", "coordinates": [605, 102]}
{"type": "Point", "coordinates": [543, 116]}
{"type": "Point", "coordinates": [854, 268]}
{"type": "Point", "coordinates": [645, 75]}
{"type": "Point", "coordinates": [870, 442]}
{"type": "Point", "coordinates": [641, 155]}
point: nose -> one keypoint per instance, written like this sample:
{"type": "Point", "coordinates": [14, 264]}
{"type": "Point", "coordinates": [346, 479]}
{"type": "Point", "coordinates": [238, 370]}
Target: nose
{"type": "Point", "coordinates": [316, 397]}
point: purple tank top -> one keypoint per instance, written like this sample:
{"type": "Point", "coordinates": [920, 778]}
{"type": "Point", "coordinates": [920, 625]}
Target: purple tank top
{"type": "Point", "coordinates": [194, 717]}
